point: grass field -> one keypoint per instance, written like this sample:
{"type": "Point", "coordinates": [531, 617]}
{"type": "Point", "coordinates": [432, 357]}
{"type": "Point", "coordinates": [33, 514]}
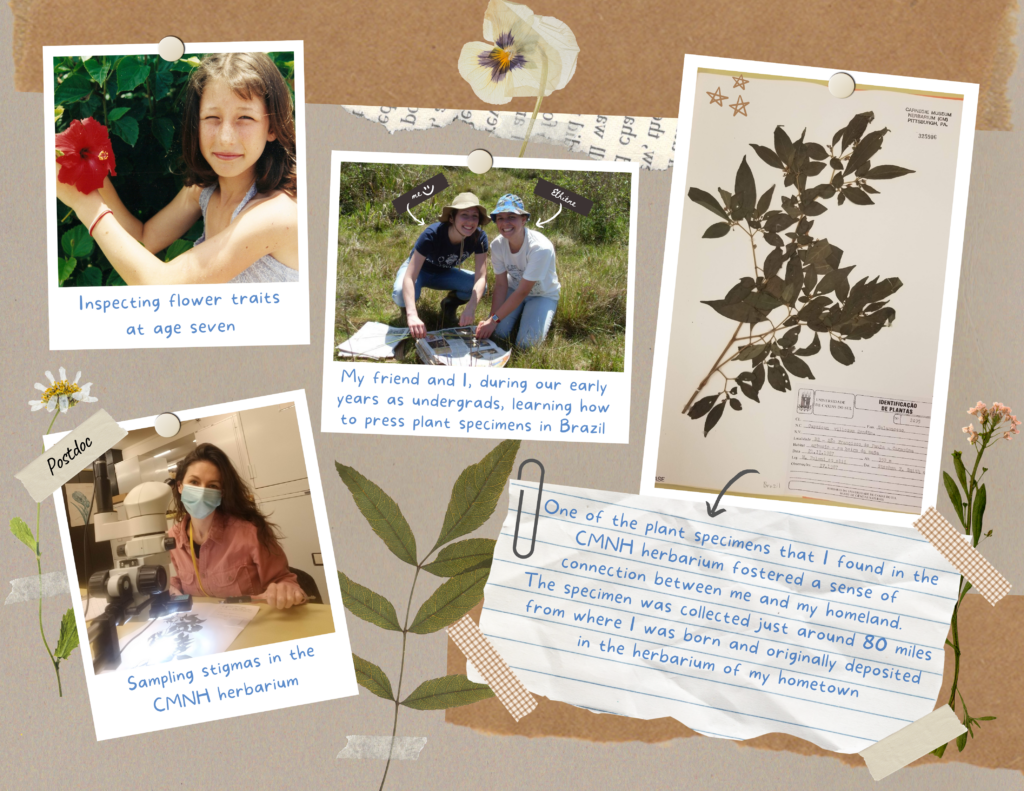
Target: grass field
{"type": "Point", "coordinates": [589, 328]}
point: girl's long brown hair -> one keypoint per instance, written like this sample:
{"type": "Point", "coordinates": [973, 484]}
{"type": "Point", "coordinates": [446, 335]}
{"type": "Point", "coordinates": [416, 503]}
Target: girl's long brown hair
{"type": "Point", "coordinates": [250, 74]}
{"type": "Point", "coordinates": [236, 498]}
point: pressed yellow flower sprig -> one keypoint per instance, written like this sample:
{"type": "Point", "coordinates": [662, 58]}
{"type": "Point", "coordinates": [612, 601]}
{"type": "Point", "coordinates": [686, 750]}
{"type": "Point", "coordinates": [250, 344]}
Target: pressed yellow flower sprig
{"type": "Point", "coordinates": [61, 396]}
{"type": "Point", "coordinates": [525, 55]}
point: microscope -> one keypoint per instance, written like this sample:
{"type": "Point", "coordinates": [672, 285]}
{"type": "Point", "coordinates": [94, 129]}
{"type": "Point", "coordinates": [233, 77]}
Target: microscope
{"type": "Point", "coordinates": [137, 587]}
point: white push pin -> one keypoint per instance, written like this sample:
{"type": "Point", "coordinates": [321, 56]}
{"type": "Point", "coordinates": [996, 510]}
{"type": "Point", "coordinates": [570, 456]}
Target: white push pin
{"type": "Point", "coordinates": [171, 48]}
{"type": "Point", "coordinates": [842, 85]}
{"type": "Point", "coordinates": [480, 160]}
{"type": "Point", "coordinates": [167, 424]}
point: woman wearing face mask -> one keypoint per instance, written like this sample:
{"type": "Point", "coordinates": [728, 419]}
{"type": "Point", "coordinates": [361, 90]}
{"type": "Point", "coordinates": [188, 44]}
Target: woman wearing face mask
{"type": "Point", "coordinates": [224, 545]}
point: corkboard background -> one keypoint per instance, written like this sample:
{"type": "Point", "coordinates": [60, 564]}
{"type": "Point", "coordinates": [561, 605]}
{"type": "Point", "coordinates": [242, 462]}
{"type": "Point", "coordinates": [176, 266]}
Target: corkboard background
{"type": "Point", "coordinates": [381, 53]}
{"type": "Point", "coordinates": [385, 52]}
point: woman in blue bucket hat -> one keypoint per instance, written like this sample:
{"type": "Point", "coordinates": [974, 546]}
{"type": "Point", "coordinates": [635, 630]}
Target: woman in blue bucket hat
{"type": "Point", "coordinates": [526, 286]}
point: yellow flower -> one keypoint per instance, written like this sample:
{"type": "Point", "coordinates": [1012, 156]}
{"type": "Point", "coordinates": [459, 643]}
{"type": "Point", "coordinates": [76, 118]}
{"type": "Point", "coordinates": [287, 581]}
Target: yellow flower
{"type": "Point", "coordinates": [530, 55]}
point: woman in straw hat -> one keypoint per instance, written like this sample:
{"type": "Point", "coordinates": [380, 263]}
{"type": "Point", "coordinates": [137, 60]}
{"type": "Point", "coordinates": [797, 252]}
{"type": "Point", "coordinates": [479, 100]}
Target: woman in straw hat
{"type": "Point", "coordinates": [435, 262]}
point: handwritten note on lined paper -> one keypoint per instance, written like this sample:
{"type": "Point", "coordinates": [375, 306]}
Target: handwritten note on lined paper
{"type": "Point", "coordinates": [750, 623]}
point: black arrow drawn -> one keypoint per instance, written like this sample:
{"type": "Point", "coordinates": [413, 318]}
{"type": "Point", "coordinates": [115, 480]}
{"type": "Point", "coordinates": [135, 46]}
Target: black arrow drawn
{"type": "Point", "coordinates": [713, 512]}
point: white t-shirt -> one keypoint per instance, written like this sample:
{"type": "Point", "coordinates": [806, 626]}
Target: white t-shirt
{"type": "Point", "coordinates": [535, 261]}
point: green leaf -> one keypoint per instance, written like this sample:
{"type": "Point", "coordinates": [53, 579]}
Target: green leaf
{"type": "Point", "coordinates": [116, 113]}
{"type": "Point", "coordinates": [163, 81]}
{"type": "Point", "coordinates": [702, 407]}
{"type": "Point", "coordinates": [177, 248]}
{"type": "Point", "coordinates": [127, 128]}
{"type": "Point", "coordinates": [73, 88]}
{"type": "Point", "coordinates": [713, 417]}
{"type": "Point", "coordinates": [840, 351]}
{"type": "Point", "coordinates": [961, 741]}
{"type": "Point", "coordinates": [88, 277]}
{"type": "Point", "coordinates": [115, 279]}
{"type": "Point", "coordinates": [708, 201]}
{"type": "Point", "coordinates": [58, 112]}
{"type": "Point", "coordinates": [462, 556]}
{"type": "Point", "coordinates": [371, 677]}
{"type": "Point", "coordinates": [954, 495]}
{"type": "Point", "coordinates": [961, 471]}
{"type": "Point", "coordinates": [717, 231]}
{"type": "Point", "coordinates": [65, 266]}
{"type": "Point", "coordinates": [938, 751]}
{"type": "Point", "coordinates": [447, 693]}
{"type": "Point", "coordinates": [22, 532]}
{"type": "Point", "coordinates": [977, 512]}
{"type": "Point", "coordinates": [381, 512]}
{"type": "Point", "coordinates": [476, 492]}
{"type": "Point", "coordinates": [746, 188]}
{"type": "Point", "coordinates": [131, 73]}
{"type": "Point", "coordinates": [98, 69]}
{"type": "Point", "coordinates": [797, 366]}
{"type": "Point", "coordinates": [364, 603]}
{"type": "Point", "coordinates": [163, 130]}
{"type": "Point", "coordinates": [68, 639]}
{"type": "Point", "coordinates": [451, 601]}
{"type": "Point", "coordinates": [77, 243]}
{"type": "Point", "coordinates": [887, 172]}
{"type": "Point", "coordinates": [767, 155]}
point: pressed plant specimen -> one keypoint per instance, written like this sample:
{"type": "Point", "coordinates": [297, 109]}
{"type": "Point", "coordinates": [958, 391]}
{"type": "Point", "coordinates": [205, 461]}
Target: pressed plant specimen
{"type": "Point", "coordinates": [799, 287]}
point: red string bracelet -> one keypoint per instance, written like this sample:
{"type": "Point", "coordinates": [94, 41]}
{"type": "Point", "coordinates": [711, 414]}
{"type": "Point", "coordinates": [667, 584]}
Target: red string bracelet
{"type": "Point", "coordinates": [97, 220]}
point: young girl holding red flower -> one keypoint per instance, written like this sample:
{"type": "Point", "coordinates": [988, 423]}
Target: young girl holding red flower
{"type": "Point", "coordinates": [238, 145]}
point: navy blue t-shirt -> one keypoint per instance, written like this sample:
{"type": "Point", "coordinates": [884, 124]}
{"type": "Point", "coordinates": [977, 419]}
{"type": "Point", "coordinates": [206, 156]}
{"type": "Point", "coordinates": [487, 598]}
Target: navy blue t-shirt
{"type": "Point", "coordinates": [439, 252]}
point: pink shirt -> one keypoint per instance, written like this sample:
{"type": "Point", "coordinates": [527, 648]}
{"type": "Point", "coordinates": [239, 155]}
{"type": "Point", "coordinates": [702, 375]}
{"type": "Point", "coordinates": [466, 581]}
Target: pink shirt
{"type": "Point", "coordinates": [232, 561]}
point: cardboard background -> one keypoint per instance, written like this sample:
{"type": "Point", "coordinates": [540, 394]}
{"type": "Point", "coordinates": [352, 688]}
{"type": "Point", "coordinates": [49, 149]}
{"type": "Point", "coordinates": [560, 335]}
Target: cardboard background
{"type": "Point", "coordinates": [50, 740]}
{"type": "Point", "coordinates": [405, 54]}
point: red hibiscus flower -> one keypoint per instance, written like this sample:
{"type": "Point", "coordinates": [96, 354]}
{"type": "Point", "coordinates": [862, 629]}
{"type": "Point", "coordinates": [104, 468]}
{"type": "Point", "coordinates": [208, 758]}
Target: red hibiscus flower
{"type": "Point", "coordinates": [85, 155]}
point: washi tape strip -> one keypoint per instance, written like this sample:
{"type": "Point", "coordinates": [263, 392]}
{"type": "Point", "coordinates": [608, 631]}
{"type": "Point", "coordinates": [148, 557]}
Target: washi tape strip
{"type": "Point", "coordinates": [967, 560]}
{"type": "Point", "coordinates": [908, 744]}
{"type": "Point", "coordinates": [70, 455]}
{"type": "Point", "coordinates": [499, 676]}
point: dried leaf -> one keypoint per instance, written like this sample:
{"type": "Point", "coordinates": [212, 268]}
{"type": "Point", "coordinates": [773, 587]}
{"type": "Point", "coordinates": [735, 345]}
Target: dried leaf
{"type": "Point", "coordinates": [707, 201]}
{"type": "Point", "coordinates": [841, 352]}
{"type": "Point", "coordinates": [383, 513]}
{"type": "Point", "coordinates": [767, 155]}
{"type": "Point", "coordinates": [451, 601]}
{"type": "Point", "coordinates": [364, 603]}
{"type": "Point", "coordinates": [954, 495]}
{"type": "Point", "coordinates": [713, 417]}
{"type": "Point", "coordinates": [717, 231]}
{"type": "Point", "coordinates": [447, 693]}
{"type": "Point", "coordinates": [778, 378]}
{"type": "Point", "coordinates": [476, 492]}
{"type": "Point", "coordinates": [735, 404]}
{"type": "Point", "coordinates": [750, 352]}
{"type": "Point", "coordinates": [68, 639]}
{"type": "Point", "coordinates": [887, 172]}
{"type": "Point", "coordinates": [702, 407]}
{"type": "Point", "coordinates": [746, 189]}
{"type": "Point", "coordinates": [783, 146]}
{"type": "Point", "coordinates": [462, 556]}
{"type": "Point", "coordinates": [810, 349]}
{"type": "Point", "coordinates": [858, 196]}
{"type": "Point", "coordinates": [797, 366]}
{"type": "Point", "coordinates": [977, 513]}
{"type": "Point", "coordinates": [371, 677]}
{"type": "Point", "coordinates": [765, 201]}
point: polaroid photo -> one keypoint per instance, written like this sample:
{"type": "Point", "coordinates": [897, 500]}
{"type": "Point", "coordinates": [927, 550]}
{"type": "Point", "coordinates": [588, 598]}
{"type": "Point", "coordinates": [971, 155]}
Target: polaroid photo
{"type": "Point", "coordinates": [462, 304]}
{"type": "Point", "coordinates": [809, 291]}
{"type": "Point", "coordinates": [203, 576]}
{"type": "Point", "coordinates": [176, 196]}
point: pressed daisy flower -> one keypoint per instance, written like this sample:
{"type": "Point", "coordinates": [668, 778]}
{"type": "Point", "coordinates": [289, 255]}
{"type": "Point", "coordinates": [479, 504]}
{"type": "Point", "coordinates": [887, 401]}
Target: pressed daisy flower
{"type": "Point", "coordinates": [62, 394]}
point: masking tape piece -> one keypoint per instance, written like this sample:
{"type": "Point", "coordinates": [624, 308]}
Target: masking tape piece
{"type": "Point", "coordinates": [27, 588]}
{"type": "Point", "coordinates": [70, 455]}
{"type": "Point", "coordinates": [967, 560]}
{"type": "Point", "coordinates": [402, 748]}
{"type": "Point", "coordinates": [499, 676]}
{"type": "Point", "coordinates": [910, 743]}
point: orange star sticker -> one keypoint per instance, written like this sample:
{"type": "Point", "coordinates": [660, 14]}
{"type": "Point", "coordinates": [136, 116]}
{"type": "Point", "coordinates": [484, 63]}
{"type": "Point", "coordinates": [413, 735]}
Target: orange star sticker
{"type": "Point", "coordinates": [739, 107]}
{"type": "Point", "coordinates": [739, 82]}
{"type": "Point", "coordinates": [716, 97]}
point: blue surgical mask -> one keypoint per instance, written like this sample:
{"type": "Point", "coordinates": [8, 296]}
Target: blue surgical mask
{"type": "Point", "coordinates": [200, 502]}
